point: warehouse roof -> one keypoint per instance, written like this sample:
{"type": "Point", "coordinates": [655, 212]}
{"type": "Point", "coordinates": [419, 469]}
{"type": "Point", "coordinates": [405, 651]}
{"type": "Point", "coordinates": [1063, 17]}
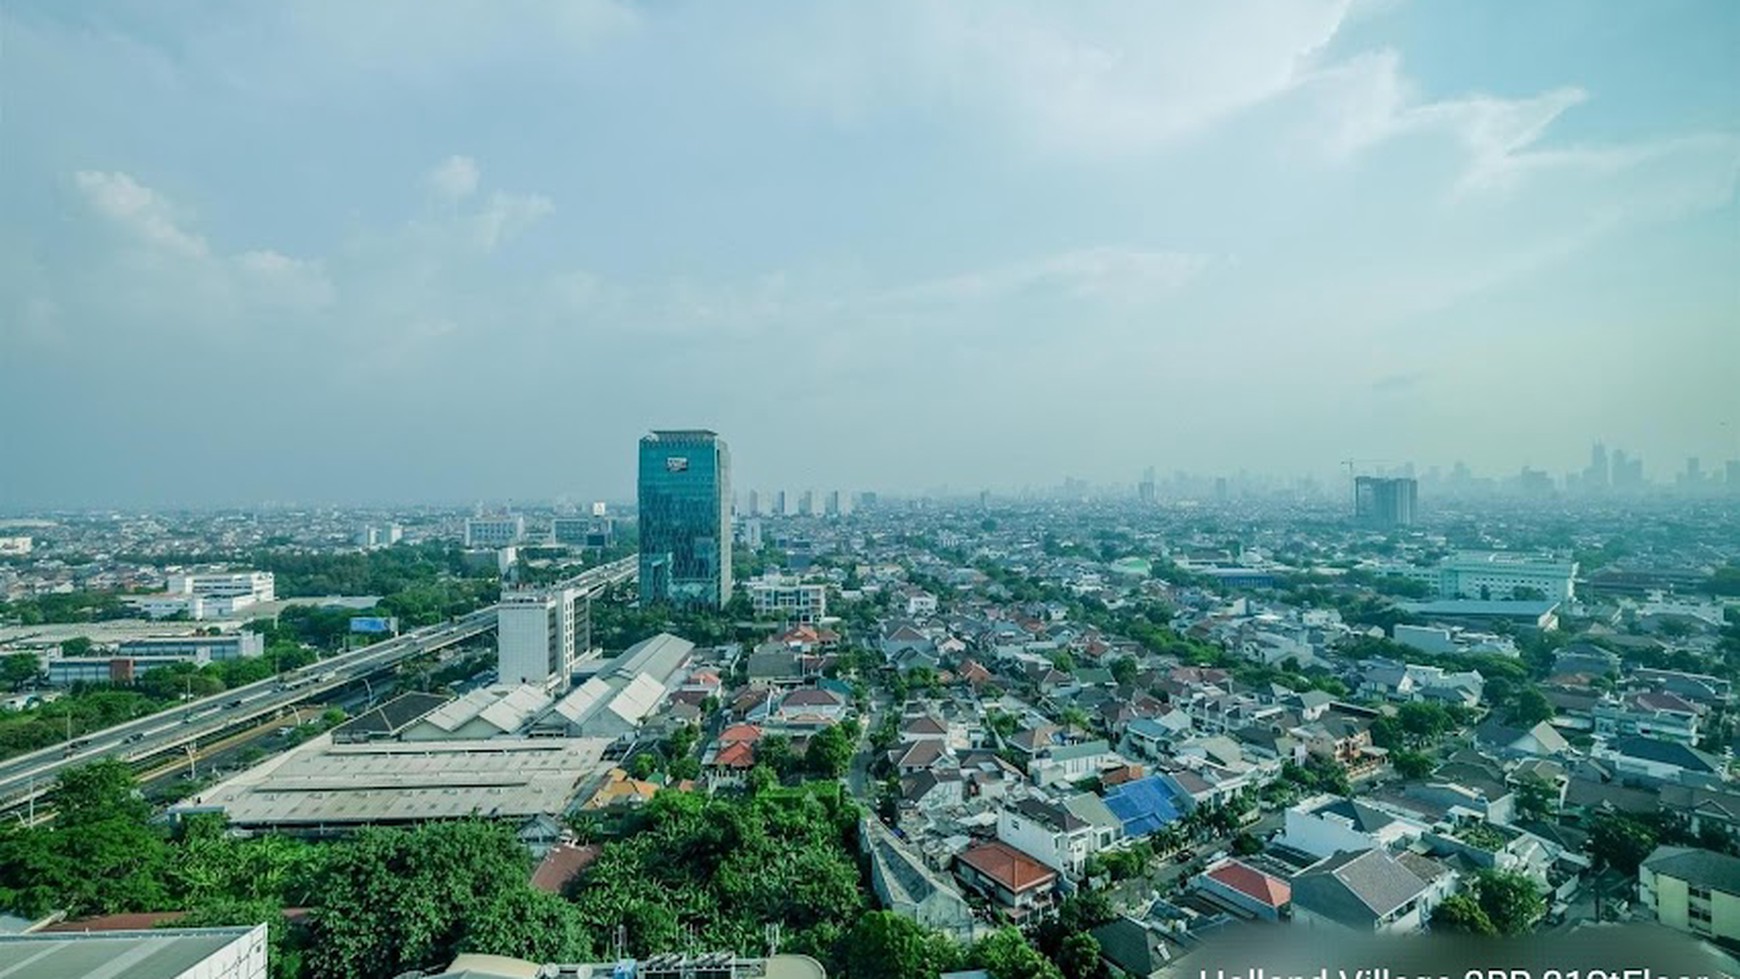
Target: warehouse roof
{"type": "Point", "coordinates": [158, 954]}
{"type": "Point", "coordinates": [323, 784]}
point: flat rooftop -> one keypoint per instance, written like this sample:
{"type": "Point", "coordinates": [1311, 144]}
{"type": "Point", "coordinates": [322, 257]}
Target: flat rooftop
{"type": "Point", "coordinates": [160, 954]}
{"type": "Point", "coordinates": [335, 785]}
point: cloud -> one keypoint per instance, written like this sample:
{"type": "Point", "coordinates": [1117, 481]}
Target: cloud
{"type": "Point", "coordinates": [1072, 79]}
{"type": "Point", "coordinates": [139, 210]}
{"type": "Point", "coordinates": [454, 179]}
{"type": "Point", "coordinates": [1104, 274]}
{"type": "Point", "coordinates": [507, 215]}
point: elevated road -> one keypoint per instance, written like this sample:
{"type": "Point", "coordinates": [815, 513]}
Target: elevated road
{"type": "Point", "coordinates": [27, 777]}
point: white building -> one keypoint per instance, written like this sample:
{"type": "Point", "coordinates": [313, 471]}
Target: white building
{"type": "Point", "coordinates": [1048, 833]}
{"type": "Point", "coordinates": [487, 712]}
{"type": "Point", "coordinates": [1494, 575]}
{"type": "Point", "coordinates": [622, 696]}
{"type": "Point", "coordinates": [535, 632]}
{"type": "Point", "coordinates": [14, 546]}
{"type": "Point", "coordinates": [379, 535]}
{"type": "Point", "coordinates": [788, 598]}
{"type": "Point", "coordinates": [168, 606]}
{"type": "Point", "coordinates": [494, 531]}
{"type": "Point", "coordinates": [1326, 825]}
{"type": "Point", "coordinates": [255, 586]}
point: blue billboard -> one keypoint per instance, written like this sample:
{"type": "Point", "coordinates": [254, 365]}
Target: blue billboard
{"type": "Point", "coordinates": [373, 625]}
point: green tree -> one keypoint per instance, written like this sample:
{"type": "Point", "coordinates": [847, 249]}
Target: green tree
{"type": "Point", "coordinates": [644, 765]}
{"type": "Point", "coordinates": [775, 751]}
{"type": "Point", "coordinates": [1079, 958]}
{"type": "Point", "coordinates": [761, 778]}
{"type": "Point", "coordinates": [886, 945]}
{"type": "Point", "coordinates": [1621, 841]}
{"type": "Point", "coordinates": [1005, 954]}
{"type": "Point", "coordinates": [829, 753]}
{"type": "Point", "coordinates": [1423, 720]}
{"type": "Point", "coordinates": [19, 669]}
{"type": "Point", "coordinates": [1125, 670]}
{"type": "Point", "coordinates": [1386, 732]}
{"type": "Point", "coordinates": [1535, 796]}
{"type": "Point", "coordinates": [1530, 708]}
{"type": "Point", "coordinates": [527, 923]}
{"type": "Point", "coordinates": [1512, 902]}
{"type": "Point", "coordinates": [1411, 764]}
{"type": "Point", "coordinates": [101, 855]}
{"type": "Point", "coordinates": [1462, 913]}
{"type": "Point", "coordinates": [393, 900]}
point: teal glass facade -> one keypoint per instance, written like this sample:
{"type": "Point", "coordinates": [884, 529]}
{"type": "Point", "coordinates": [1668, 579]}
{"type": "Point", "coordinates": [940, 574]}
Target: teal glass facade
{"type": "Point", "coordinates": [685, 518]}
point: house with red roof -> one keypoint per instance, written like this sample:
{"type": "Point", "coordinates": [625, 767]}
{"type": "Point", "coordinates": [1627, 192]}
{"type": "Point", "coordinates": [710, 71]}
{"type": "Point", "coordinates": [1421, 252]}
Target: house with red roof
{"type": "Point", "coordinates": [1248, 889]}
{"type": "Point", "coordinates": [562, 864]}
{"type": "Point", "coordinates": [728, 761]}
{"type": "Point", "coordinates": [1014, 881]}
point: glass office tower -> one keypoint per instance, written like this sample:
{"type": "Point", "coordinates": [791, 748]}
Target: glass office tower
{"type": "Point", "coordinates": [685, 518]}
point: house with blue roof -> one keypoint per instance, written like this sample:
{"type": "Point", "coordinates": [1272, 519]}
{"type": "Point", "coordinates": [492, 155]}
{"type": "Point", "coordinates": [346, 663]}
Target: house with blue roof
{"type": "Point", "coordinates": [1146, 805]}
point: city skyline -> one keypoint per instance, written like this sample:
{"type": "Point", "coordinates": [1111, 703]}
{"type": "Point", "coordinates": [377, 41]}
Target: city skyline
{"type": "Point", "coordinates": [981, 246]}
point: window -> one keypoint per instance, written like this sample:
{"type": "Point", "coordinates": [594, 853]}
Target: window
{"type": "Point", "coordinates": [1698, 893]}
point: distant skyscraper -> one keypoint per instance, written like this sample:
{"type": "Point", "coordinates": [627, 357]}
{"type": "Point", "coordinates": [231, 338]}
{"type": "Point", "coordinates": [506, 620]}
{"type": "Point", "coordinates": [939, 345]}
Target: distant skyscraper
{"type": "Point", "coordinates": [1385, 502]}
{"type": "Point", "coordinates": [1597, 477]}
{"type": "Point", "coordinates": [779, 503]}
{"type": "Point", "coordinates": [831, 505]}
{"type": "Point", "coordinates": [754, 509]}
{"type": "Point", "coordinates": [867, 499]}
{"type": "Point", "coordinates": [807, 503]}
{"type": "Point", "coordinates": [1145, 490]}
{"type": "Point", "coordinates": [685, 518]}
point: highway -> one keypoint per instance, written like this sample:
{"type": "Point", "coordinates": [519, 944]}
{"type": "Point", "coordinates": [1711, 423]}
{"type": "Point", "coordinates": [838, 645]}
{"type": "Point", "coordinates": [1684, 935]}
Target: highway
{"type": "Point", "coordinates": [30, 776]}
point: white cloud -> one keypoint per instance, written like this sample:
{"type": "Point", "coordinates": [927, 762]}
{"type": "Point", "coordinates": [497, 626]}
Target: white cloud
{"type": "Point", "coordinates": [454, 179]}
{"type": "Point", "coordinates": [1069, 78]}
{"type": "Point", "coordinates": [507, 215]}
{"type": "Point", "coordinates": [138, 209]}
{"type": "Point", "coordinates": [1104, 274]}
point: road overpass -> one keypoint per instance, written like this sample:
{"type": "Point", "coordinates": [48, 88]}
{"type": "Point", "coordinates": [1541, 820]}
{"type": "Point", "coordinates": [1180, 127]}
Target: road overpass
{"type": "Point", "coordinates": [28, 777]}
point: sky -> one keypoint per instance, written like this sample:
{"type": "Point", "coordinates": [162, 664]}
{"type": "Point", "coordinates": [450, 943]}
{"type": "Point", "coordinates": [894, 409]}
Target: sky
{"type": "Point", "coordinates": [405, 251]}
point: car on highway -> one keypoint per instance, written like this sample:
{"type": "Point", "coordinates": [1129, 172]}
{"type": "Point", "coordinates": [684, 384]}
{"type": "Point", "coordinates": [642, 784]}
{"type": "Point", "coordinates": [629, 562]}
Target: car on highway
{"type": "Point", "coordinates": [239, 701]}
{"type": "Point", "coordinates": [136, 737]}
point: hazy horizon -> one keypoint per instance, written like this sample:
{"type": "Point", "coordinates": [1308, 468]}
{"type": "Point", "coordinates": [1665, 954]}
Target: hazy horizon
{"type": "Point", "coordinates": [396, 251]}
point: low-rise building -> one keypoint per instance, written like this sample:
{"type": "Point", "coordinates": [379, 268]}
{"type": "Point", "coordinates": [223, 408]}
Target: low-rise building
{"type": "Point", "coordinates": [787, 597]}
{"type": "Point", "coordinates": [1691, 890]}
{"type": "Point", "coordinates": [1067, 763]}
{"type": "Point", "coordinates": [904, 885]}
{"type": "Point", "coordinates": [1017, 883]}
{"type": "Point", "coordinates": [1649, 713]}
{"type": "Point", "coordinates": [1370, 891]}
{"type": "Point", "coordinates": [1263, 895]}
{"type": "Point", "coordinates": [1048, 832]}
{"type": "Point", "coordinates": [1326, 825]}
